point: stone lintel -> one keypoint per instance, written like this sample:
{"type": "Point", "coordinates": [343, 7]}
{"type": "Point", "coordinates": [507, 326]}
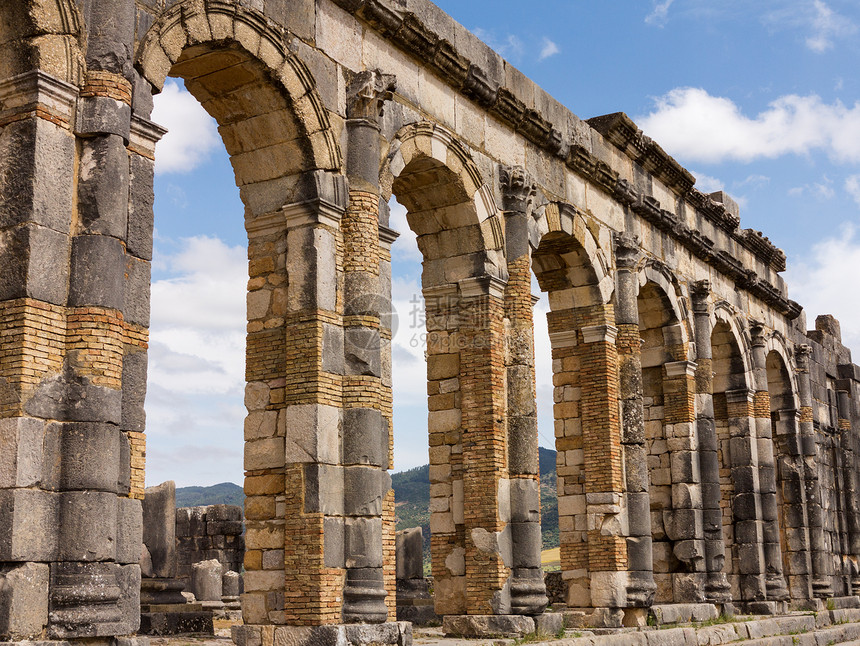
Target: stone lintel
{"type": "Point", "coordinates": [595, 333]}
{"type": "Point", "coordinates": [681, 368]}
{"type": "Point", "coordinates": [739, 395]}
{"type": "Point", "coordinates": [24, 90]}
{"type": "Point", "coordinates": [564, 339]}
{"type": "Point", "coordinates": [387, 236]}
{"type": "Point", "coordinates": [603, 498]}
{"type": "Point", "coordinates": [482, 286]}
{"type": "Point", "coordinates": [143, 136]}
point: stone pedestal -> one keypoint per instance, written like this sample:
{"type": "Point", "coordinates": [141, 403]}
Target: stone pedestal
{"type": "Point", "coordinates": [414, 602]}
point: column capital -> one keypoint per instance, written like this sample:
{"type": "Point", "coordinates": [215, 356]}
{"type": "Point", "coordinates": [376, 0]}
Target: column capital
{"type": "Point", "coordinates": [627, 251]}
{"type": "Point", "coordinates": [367, 93]}
{"type": "Point", "coordinates": [681, 368]}
{"type": "Point", "coordinates": [596, 333]}
{"type": "Point", "coordinates": [699, 293]}
{"type": "Point", "coordinates": [757, 333]}
{"type": "Point", "coordinates": [518, 188]}
{"type": "Point", "coordinates": [802, 353]}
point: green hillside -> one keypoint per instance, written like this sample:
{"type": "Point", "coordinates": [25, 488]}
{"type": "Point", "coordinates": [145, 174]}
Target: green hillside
{"type": "Point", "coordinates": [225, 493]}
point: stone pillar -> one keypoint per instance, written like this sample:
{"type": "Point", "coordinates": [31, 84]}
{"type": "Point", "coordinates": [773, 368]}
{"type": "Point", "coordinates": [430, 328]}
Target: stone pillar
{"type": "Point", "coordinates": [822, 587]}
{"type": "Point", "coordinates": [366, 432]}
{"type": "Point", "coordinates": [717, 588]}
{"type": "Point", "coordinates": [640, 586]}
{"type": "Point", "coordinates": [746, 503]}
{"type": "Point", "coordinates": [684, 523]}
{"type": "Point", "coordinates": [528, 592]}
{"type": "Point", "coordinates": [849, 479]}
{"type": "Point", "coordinates": [774, 580]}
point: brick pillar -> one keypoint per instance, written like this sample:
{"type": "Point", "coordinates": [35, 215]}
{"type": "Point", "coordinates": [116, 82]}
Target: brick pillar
{"type": "Point", "coordinates": [774, 579]}
{"type": "Point", "coordinates": [717, 588]}
{"type": "Point", "coordinates": [822, 587]}
{"type": "Point", "coordinates": [685, 527]}
{"type": "Point", "coordinates": [444, 387]}
{"type": "Point", "coordinates": [483, 385]}
{"type": "Point", "coordinates": [641, 586]}
{"type": "Point", "coordinates": [528, 592]}
{"type": "Point", "coordinates": [366, 433]}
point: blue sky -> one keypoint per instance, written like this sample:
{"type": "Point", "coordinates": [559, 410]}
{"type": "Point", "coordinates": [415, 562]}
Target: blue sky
{"type": "Point", "coordinates": [760, 99]}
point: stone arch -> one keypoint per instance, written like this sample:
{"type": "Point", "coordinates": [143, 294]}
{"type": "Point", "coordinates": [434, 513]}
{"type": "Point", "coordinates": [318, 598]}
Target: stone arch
{"type": "Point", "coordinates": [449, 206]}
{"type": "Point", "coordinates": [216, 51]}
{"type": "Point", "coordinates": [42, 35]}
{"type": "Point", "coordinates": [777, 348]}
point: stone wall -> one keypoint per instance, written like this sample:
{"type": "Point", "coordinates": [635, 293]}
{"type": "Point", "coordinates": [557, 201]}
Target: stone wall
{"type": "Point", "coordinates": [209, 532]}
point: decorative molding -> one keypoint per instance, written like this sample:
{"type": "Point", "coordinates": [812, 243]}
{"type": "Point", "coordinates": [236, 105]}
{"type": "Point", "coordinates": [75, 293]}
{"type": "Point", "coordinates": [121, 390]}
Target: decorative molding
{"type": "Point", "coordinates": [627, 251]}
{"type": "Point", "coordinates": [681, 368]}
{"type": "Point", "coordinates": [367, 93]}
{"type": "Point", "coordinates": [387, 236]}
{"type": "Point", "coordinates": [482, 286]}
{"type": "Point", "coordinates": [564, 339]}
{"type": "Point", "coordinates": [518, 188]}
{"type": "Point", "coordinates": [596, 333]}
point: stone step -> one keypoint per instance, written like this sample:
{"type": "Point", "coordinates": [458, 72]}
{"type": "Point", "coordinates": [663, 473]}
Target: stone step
{"type": "Point", "coordinates": [683, 613]}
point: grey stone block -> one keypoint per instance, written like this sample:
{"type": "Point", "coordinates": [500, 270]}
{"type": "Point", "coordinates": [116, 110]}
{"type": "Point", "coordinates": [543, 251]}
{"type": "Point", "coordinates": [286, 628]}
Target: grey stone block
{"type": "Point", "coordinates": [324, 489]}
{"type": "Point", "coordinates": [85, 599]}
{"type": "Point", "coordinates": [141, 200]}
{"type": "Point", "coordinates": [141, 89]}
{"type": "Point", "coordinates": [111, 35]}
{"type": "Point", "coordinates": [21, 458]}
{"type": "Point", "coordinates": [332, 349]}
{"type": "Point", "coordinates": [159, 528]}
{"type": "Point", "coordinates": [74, 398]}
{"type": "Point", "coordinates": [526, 544]}
{"type": "Point", "coordinates": [525, 500]}
{"type": "Point", "coordinates": [363, 542]}
{"type": "Point", "coordinates": [129, 523]}
{"type": "Point", "coordinates": [361, 294]}
{"type": "Point", "coordinates": [522, 445]}
{"type": "Point", "coordinates": [101, 115]}
{"type": "Point", "coordinates": [364, 437]}
{"type": "Point", "coordinates": [88, 457]}
{"type": "Point", "coordinates": [137, 291]}
{"type": "Point", "coordinates": [636, 463]}
{"type": "Point", "coordinates": [362, 351]}
{"type": "Point", "coordinates": [28, 531]}
{"type": "Point", "coordinates": [639, 514]}
{"type": "Point", "coordinates": [134, 372]}
{"type": "Point", "coordinates": [219, 513]}
{"type": "Point", "coordinates": [34, 264]}
{"type": "Point", "coordinates": [363, 490]}
{"type": "Point", "coordinates": [128, 580]}
{"type": "Point", "coordinates": [123, 483]}
{"type": "Point", "coordinates": [206, 580]}
{"type": "Point", "coordinates": [409, 553]}
{"type": "Point", "coordinates": [88, 526]}
{"type": "Point", "coordinates": [23, 601]}
{"type": "Point", "coordinates": [632, 422]}
{"type": "Point", "coordinates": [231, 584]}
{"type": "Point", "coordinates": [487, 625]}
{"type": "Point", "coordinates": [31, 150]}
{"type": "Point", "coordinates": [333, 542]}
{"type": "Point", "coordinates": [103, 187]}
{"type": "Point", "coordinates": [98, 272]}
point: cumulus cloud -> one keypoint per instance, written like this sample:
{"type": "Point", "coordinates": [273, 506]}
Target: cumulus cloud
{"type": "Point", "coordinates": [692, 124]}
{"type": "Point", "coordinates": [826, 25]}
{"type": "Point", "coordinates": [659, 14]}
{"type": "Point", "coordinates": [406, 245]}
{"type": "Point", "coordinates": [191, 133]}
{"type": "Point", "coordinates": [706, 183]}
{"type": "Point", "coordinates": [549, 49]}
{"type": "Point", "coordinates": [823, 283]}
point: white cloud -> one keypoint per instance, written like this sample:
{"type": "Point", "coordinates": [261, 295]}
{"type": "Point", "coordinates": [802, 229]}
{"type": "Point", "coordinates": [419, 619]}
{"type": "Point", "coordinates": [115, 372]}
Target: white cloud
{"type": "Point", "coordinates": [659, 14]}
{"type": "Point", "coordinates": [822, 190]}
{"type": "Point", "coordinates": [708, 184]}
{"type": "Point", "coordinates": [191, 133]}
{"type": "Point", "coordinates": [549, 49]}
{"type": "Point", "coordinates": [692, 124]}
{"type": "Point", "coordinates": [406, 245]}
{"type": "Point", "coordinates": [824, 283]}
{"type": "Point", "coordinates": [852, 186]}
{"type": "Point", "coordinates": [826, 25]}
{"type": "Point", "coordinates": [508, 46]}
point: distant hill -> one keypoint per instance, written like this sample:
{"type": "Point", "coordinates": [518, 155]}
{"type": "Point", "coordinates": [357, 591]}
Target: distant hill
{"type": "Point", "coordinates": [225, 493]}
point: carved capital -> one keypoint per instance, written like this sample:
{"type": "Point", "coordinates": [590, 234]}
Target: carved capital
{"type": "Point", "coordinates": [757, 333]}
{"type": "Point", "coordinates": [627, 251]}
{"type": "Point", "coordinates": [802, 353]}
{"type": "Point", "coordinates": [367, 93]}
{"type": "Point", "coordinates": [699, 293]}
{"type": "Point", "coordinates": [518, 188]}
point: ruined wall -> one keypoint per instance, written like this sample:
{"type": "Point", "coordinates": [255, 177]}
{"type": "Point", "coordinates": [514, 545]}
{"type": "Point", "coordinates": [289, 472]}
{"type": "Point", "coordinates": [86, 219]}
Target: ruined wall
{"type": "Point", "coordinates": [327, 109]}
{"type": "Point", "coordinates": [209, 532]}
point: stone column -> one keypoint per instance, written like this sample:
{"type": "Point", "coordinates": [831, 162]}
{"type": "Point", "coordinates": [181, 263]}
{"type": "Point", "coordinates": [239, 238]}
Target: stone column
{"type": "Point", "coordinates": [717, 588]}
{"type": "Point", "coordinates": [774, 579]}
{"type": "Point", "coordinates": [640, 586]}
{"type": "Point", "coordinates": [684, 523]}
{"type": "Point", "coordinates": [528, 592]}
{"type": "Point", "coordinates": [849, 478]}
{"type": "Point", "coordinates": [365, 432]}
{"type": "Point", "coordinates": [822, 587]}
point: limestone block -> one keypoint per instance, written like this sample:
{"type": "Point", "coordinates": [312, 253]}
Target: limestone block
{"type": "Point", "coordinates": [206, 580]}
{"type": "Point", "coordinates": [264, 454]}
{"type": "Point", "coordinates": [364, 489]}
{"type": "Point", "coordinates": [487, 625]}
{"type": "Point", "coordinates": [365, 437]}
{"type": "Point", "coordinates": [21, 452]}
{"type": "Point", "coordinates": [140, 214]}
{"type": "Point", "coordinates": [98, 272]}
{"type": "Point", "coordinates": [88, 526]}
{"type": "Point", "coordinates": [311, 433]}
{"type": "Point", "coordinates": [29, 530]}
{"type": "Point", "coordinates": [129, 530]}
{"type": "Point", "coordinates": [103, 187]}
{"type": "Point", "coordinates": [524, 500]}
{"type": "Point", "coordinates": [409, 553]}
{"type": "Point", "coordinates": [30, 151]}
{"type": "Point", "coordinates": [134, 373]}
{"type": "Point", "coordinates": [324, 489]}
{"type": "Point", "coordinates": [90, 455]}
{"type": "Point", "coordinates": [111, 30]}
{"type": "Point", "coordinates": [361, 348]}
{"type": "Point", "coordinates": [231, 584]}
{"type": "Point", "coordinates": [332, 349]}
{"type": "Point", "coordinates": [159, 528]}
{"type": "Point", "coordinates": [23, 601]}
{"type": "Point", "coordinates": [312, 284]}
{"type": "Point", "coordinates": [261, 424]}
{"type": "Point", "coordinates": [33, 261]}
{"type": "Point", "coordinates": [333, 542]}
{"type": "Point", "coordinates": [526, 544]}
{"type": "Point", "coordinates": [522, 449]}
{"type": "Point", "coordinates": [101, 115]}
{"type": "Point", "coordinates": [444, 421]}
{"type": "Point", "coordinates": [363, 542]}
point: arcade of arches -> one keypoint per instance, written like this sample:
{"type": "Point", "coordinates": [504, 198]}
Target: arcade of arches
{"type": "Point", "coordinates": [705, 437]}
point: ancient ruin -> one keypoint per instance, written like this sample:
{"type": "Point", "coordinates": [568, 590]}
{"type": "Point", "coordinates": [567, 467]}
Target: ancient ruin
{"type": "Point", "coordinates": [706, 439]}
